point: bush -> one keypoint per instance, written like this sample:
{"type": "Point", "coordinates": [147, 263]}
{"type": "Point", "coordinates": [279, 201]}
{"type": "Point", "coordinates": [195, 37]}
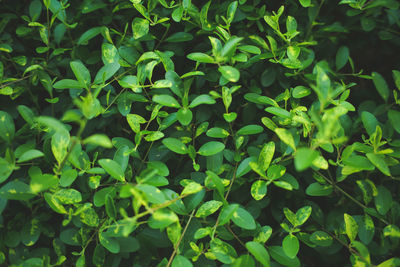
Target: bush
{"type": "Point", "coordinates": [191, 133]}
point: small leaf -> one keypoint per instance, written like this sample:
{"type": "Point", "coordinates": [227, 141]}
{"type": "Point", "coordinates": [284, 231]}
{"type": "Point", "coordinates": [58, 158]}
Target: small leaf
{"type": "Point", "coordinates": [384, 200]}
{"type": "Point", "coordinates": [259, 189]}
{"type": "Point", "coordinates": [42, 182]}
{"type": "Point", "coordinates": [266, 155]}
{"type": "Point", "coordinates": [181, 261]}
{"type": "Point", "coordinates": [89, 34]}
{"type": "Point", "coordinates": [321, 238]}
{"type": "Point", "coordinates": [381, 85]}
{"type": "Point", "coordinates": [166, 100]}
{"type": "Point", "coordinates": [82, 74]}
{"type": "Point", "coordinates": [68, 177]}
{"type": "Point", "coordinates": [243, 219]}
{"type": "Point", "coordinates": [342, 57]}
{"type": "Point", "coordinates": [317, 190]}
{"type": "Point", "coordinates": [250, 129]}
{"type": "Point", "coordinates": [191, 188]}
{"type": "Point", "coordinates": [99, 140]}
{"type": "Point", "coordinates": [351, 227]}
{"type": "Point", "coordinates": [305, 3]}
{"type": "Point", "coordinates": [68, 84]}
{"type": "Point", "coordinates": [394, 118]}
{"type": "Point", "coordinates": [259, 252]}
{"type": "Point", "coordinates": [379, 162]}
{"type": "Point", "coordinates": [200, 57]}
{"type": "Point", "coordinates": [202, 99]}
{"type": "Point", "coordinates": [179, 37]}
{"type": "Point", "coordinates": [113, 169]}
{"type": "Point", "coordinates": [184, 116]}
{"type": "Point", "coordinates": [68, 196]}
{"type": "Point", "coordinates": [140, 27]}
{"type": "Point", "coordinates": [303, 214]}
{"type": "Point", "coordinates": [300, 91]}
{"type": "Point", "coordinates": [30, 155]}
{"type": "Point", "coordinates": [286, 137]}
{"type": "Point", "coordinates": [6, 168]}
{"type": "Point", "coordinates": [208, 208]}
{"type": "Point", "coordinates": [304, 158]}
{"type": "Point", "coordinates": [175, 145]}
{"type": "Point", "coordinates": [211, 148]}
{"type": "Point", "coordinates": [7, 128]}
{"type": "Point", "coordinates": [290, 245]}
{"type": "Point", "coordinates": [16, 190]}
{"type": "Point", "coordinates": [230, 73]}
{"type": "Point", "coordinates": [217, 132]}
{"type": "Point", "coordinates": [152, 193]}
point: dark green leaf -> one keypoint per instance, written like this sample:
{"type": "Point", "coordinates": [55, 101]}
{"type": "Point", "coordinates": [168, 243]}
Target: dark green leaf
{"type": "Point", "coordinates": [259, 252]}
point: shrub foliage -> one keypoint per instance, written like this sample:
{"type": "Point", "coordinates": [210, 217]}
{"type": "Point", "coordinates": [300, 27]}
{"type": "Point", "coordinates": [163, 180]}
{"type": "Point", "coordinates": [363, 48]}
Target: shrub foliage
{"type": "Point", "coordinates": [192, 133]}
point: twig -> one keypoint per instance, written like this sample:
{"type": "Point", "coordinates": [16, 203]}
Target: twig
{"type": "Point", "coordinates": [180, 240]}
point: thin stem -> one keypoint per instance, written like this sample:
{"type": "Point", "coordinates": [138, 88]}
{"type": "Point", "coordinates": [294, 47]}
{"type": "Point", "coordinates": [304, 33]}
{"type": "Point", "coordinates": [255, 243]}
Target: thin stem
{"type": "Point", "coordinates": [180, 240]}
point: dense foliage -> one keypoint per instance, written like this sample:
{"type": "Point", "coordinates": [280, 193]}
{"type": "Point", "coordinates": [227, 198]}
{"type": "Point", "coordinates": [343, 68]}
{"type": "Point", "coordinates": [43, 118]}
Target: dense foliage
{"type": "Point", "coordinates": [190, 133]}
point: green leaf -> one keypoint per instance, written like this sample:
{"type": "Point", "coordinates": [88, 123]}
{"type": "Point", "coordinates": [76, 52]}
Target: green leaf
{"type": "Point", "coordinates": [175, 145]}
{"type": "Point", "coordinates": [259, 252]}
{"type": "Point", "coordinates": [110, 207]}
{"type": "Point", "coordinates": [179, 37]}
{"type": "Point", "coordinates": [42, 182]}
{"type": "Point", "coordinates": [68, 84]}
{"type": "Point", "coordinates": [342, 57]}
{"type": "Point", "coordinates": [366, 229]}
{"type": "Point", "coordinates": [279, 255]}
{"type": "Point", "coordinates": [217, 132]}
{"type": "Point", "coordinates": [30, 155]}
{"type": "Point", "coordinates": [98, 140]}
{"type": "Point", "coordinates": [250, 129]}
{"type": "Point", "coordinates": [227, 213]}
{"type": "Point", "coordinates": [381, 85]}
{"type": "Point", "coordinates": [191, 188]}
{"type": "Point", "coordinates": [280, 112]}
{"type": "Point", "coordinates": [166, 100]}
{"type": "Point", "coordinates": [351, 227]}
{"type": "Point", "coordinates": [162, 218]}
{"type": "Point", "coordinates": [106, 72]}
{"type": "Point", "coordinates": [208, 208]}
{"type": "Point", "coordinates": [305, 3]}
{"type": "Point", "coordinates": [300, 91]}
{"type": "Point", "coordinates": [290, 245]}
{"type": "Point", "coordinates": [82, 74]}
{"type": "Point", "coordinates": [88, 35]}
{"type": "Point", "coordinates": [16, 190]}
{"type": "Point", "coordinates": [266, 155]}
{"type": "Point", "coordinates": [250, 49]}
{"type": "Point", "coordinates": [113, 169]}
{"type": "Point", "coordinates": [202, 99]}
{"type": "Point", "coordinates": [318, 190]}
{"type": "Point", "coordinates": [304, 158]}
{"type": "Point", "coordinates": [59, 145]}
{"type": "Point", "coordinates": [184, 116]}
{"type": "Point", "coordinates": [230, 73]}
{"type": "Point", "coordinates": [211, 148]}
{"type": "Point", "coordinates": [181, 261]}
{"type": "Point", "coordinates": [152, 193]}
{"type": "Point", "coordinates": [68, 196]}
{"type": "Point", "coordinates": [140, 27]}
{"type": "Point", "coordinates": [384, 200]}
{"type": "Point", "coordinates": [286, 137]}
{"type": "Point", "coordinates": [68, 177]}
{"type": "Point", "coordinates": [54, 204]}
{"type": "Point", "coordinates": [7, 128]}
{"type": "Point", "coordinates": [110, 243]}
{"type": "Point", "coordinates": [200, 57]}
{"type": "Point", "coordinates": [302, 215]}
{"type": "Point", "coordinates": [396, 78]}
{"type": "Point", "coordinates": [243, 219]}
{"type": "Point", "coordinates": [394, 118]}
{"type": "Point", "coordinates": [379, 162]}
{"type": "Point", "coordinates": [6, 168]}
{"type": "Point", "coordinates": [369, 121]}
{"type": "Point", "coordinates": [109, 53]}
{"type": "Point", "coordinates": [321, 238]}
{"type": "Point", "coordinates": [259, 189]}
